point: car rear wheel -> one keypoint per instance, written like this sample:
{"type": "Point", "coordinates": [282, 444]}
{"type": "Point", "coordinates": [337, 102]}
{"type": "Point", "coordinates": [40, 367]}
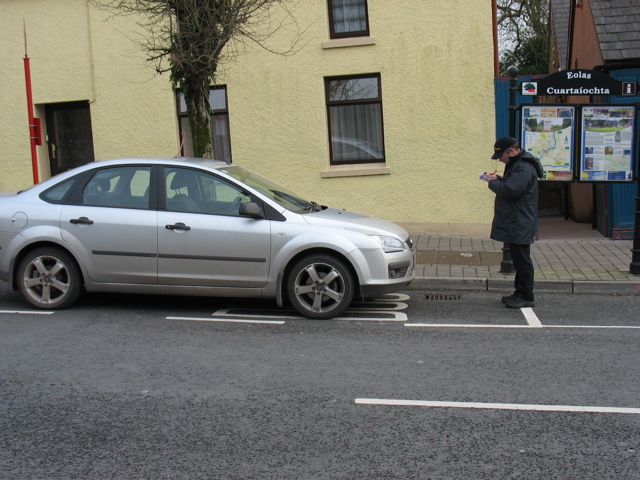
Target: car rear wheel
{"type": "Point", "coordinates": [49, 278]}
{"type": "Point", "coordinates": [320, 286]}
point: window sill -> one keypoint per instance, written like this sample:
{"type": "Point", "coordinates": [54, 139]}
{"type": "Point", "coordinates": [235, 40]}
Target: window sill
{"type": "Point", "coordinates": [359, 170]}
{"type": "Point", "coordinates": [348, 42]}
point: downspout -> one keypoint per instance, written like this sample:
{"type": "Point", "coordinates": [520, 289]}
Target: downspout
{"type": "Point", "coordinates": [33, 128]}
{"type": "Point", "coordinates": [572, 21]}
{"type": "Point", "coordinates": [496, 58]}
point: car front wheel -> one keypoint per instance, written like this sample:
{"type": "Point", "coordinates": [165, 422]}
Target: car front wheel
{"type": "Point", "coordinates": [320, 286]}
{"type": "Point", "coordinates": [49, 278]}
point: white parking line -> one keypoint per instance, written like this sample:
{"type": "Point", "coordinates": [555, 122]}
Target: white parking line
{"type": "Point", "coordinates": [465, 325]}
{"type": "Point", "coordinates": [384, 316]}
{"type": "Point", "coordinates": [225, 320]}
{"type": "Point", "coordinates": [497, 406]}
{"type": "Point", "coordinates": [531, 317]}
{"type": "Point", "coordinates": [375, 315]}
{"type": "Point", "coordinates": [228, 312]}
{"type": "Point", "coordinates": [27, 312]}
{"type": "Point", "coordinates": [388, 307]}
{"type": "Point", "coordinates": [462, 325]}
{"type": "Point", "coordinates": [622, 327]}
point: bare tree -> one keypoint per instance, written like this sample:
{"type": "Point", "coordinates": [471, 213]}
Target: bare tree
{"type": "Point", "coordinates": [523, 27]}
{"type": "Point", "coordinates": [191, 38]}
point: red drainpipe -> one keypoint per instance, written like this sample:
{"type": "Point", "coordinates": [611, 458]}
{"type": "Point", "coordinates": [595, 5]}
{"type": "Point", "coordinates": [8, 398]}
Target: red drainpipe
{"type": "Point", "coordinates": [33, 127]}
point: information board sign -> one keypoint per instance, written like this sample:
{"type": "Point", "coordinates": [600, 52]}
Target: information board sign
{"type": "Point", "coordinates": [548, 133]}
{"type": "Point", "coordinates": [607, 143]}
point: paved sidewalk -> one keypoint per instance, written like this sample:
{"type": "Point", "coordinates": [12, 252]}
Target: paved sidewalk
{"type": "Point", "coordinates": [594, 265]}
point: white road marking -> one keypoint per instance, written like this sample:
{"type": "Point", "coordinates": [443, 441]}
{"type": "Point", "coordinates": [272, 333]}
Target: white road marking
{"type": "Point", "coordinates": [531, 317]}
{"type": "Point", "coordinates": [497, 406]}
{"type": "Point", "coordinates": [623, 327]}
{"type": "Point", "coordinates": [228, 320]}
{"type": "Point", "coordinates": [391, 316]}
{"type": "Point", "coordinates": [463, 325]}
{"type": "Point", "coordinates": [392, 306]}
{"type": "Point", "coordinates": [27, 312]}
{"type": "Point", "coordinates": [393, 297]}
{"type": "Point", "coordinates": [382, 315]}
{"type": "Point", "coordinates": [227, 312]}
{"type": "Point", "coordinates": [389, 311]}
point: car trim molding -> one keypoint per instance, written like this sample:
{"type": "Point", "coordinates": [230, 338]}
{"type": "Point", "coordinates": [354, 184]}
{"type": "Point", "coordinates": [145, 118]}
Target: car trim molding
{"type": "Point", "coordinates": [180, 257]}
{"type": "Point", "coordinates": [215, 259]}
{"type": "Point", "coordinates": [123, 254]}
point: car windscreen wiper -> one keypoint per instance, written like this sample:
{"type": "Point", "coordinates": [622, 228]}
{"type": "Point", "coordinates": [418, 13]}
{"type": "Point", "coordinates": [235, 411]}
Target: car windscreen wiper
{"type": "Point", "coordinates": [313, 207]}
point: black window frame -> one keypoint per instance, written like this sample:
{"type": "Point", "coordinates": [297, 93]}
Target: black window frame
{"type": "Point", "coordinates": [183, 116]}
{"type": "Point", "coordinates": [368, 101]}
{"type": "Point", "coordinates": [337, 35]}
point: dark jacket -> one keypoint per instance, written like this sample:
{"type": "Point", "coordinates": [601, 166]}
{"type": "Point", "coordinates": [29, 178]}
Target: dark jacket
{"type": "Point", "coordinates": [516, 206]}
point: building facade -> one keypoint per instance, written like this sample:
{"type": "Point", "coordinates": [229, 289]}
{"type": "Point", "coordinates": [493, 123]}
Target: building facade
{"type": "Point", "coordinates": [385, 108]}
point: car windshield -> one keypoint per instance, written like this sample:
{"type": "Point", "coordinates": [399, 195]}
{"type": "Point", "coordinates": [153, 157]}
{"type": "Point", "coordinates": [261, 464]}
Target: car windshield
{"type": "Point", "coordinates": [271, 190]}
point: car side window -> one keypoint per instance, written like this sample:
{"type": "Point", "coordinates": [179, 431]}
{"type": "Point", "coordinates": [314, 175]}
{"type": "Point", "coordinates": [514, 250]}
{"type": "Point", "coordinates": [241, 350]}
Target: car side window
{"type": "Point", "coordinates": [122, 187]}
{"type": "Point", "coordinates": [200, 192]}
{"type": "Point", "coordinates": [58, 193]}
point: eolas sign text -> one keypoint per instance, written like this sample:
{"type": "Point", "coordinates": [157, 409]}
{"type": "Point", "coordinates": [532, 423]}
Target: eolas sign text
{"type": "Point", "coordinates": [578, 82]}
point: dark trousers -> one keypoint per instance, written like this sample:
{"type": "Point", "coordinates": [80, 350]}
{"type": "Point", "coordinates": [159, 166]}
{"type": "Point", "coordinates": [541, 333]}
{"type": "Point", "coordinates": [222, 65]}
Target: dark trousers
{"type": "Point", "coordinates": [522, 264]}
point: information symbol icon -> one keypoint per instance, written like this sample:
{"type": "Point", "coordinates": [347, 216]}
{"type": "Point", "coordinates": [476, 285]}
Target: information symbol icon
{"type": "Point", "coordinates": [629, 88]}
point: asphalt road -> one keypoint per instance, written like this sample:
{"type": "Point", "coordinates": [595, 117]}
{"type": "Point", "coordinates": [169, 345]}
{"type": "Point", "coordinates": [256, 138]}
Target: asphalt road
{"type": "Point", "coordinates": [131, 387]}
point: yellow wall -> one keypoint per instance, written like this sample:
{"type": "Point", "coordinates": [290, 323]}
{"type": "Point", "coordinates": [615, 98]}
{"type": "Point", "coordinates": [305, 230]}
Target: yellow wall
{"type": "Point", "coordinates": [435, 61]}
{"type": "Point", "coordinates": [76, 55]}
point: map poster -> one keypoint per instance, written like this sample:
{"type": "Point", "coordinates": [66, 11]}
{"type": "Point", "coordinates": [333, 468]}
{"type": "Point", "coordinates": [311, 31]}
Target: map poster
{"type": "Point", "coordinates": [547, 133]}
{"type": "Point", "coordinates": [606, 150]}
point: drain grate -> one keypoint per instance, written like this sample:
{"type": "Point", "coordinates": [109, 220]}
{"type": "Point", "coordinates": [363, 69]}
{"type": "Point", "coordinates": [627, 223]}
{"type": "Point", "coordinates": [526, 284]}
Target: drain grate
{"type": "Point", "coordinates": [443, 296]}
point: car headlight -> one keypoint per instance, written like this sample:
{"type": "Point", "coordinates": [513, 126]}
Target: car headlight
{"type": "Point", "coordinates": [389, 244]}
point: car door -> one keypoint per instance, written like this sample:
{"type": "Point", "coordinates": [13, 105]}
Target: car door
{"type": "Point", "coordinates": [202, 239]}
{"type": "Point", "coordinates": [113, 227]}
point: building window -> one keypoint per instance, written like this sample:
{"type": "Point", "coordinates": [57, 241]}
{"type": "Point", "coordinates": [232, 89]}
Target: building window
{"type": "Point", "coordinates": [220, 136]}
{"type": "Point", "coordinates": [348, 18]}
{"type": "Point", "coordinates": [354, 106]}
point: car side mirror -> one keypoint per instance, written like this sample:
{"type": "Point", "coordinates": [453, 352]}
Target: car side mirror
{"type": "Point", "coordinates": [251, 209]}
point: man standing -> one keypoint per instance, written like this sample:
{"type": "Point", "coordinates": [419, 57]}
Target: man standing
{"type": "Point", "coordinates": [516, 214]}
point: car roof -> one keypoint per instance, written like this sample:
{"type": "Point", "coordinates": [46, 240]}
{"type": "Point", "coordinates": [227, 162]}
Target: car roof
{"type": "Point", "coordinates": [187, 161]}
{"type": "Point", "coordinates": [182, 161]}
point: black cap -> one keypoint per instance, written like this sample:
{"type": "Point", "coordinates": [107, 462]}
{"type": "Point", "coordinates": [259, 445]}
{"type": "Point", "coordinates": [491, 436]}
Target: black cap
{"type": "Point", "coordinates": [501, 145]}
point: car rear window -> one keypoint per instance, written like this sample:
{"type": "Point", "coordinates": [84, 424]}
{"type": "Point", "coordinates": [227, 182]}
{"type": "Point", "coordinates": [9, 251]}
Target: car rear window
{"type": "Point", "coordinates": [58, 193]}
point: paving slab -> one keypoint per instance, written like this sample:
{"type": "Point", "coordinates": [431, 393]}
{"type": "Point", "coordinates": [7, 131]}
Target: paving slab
{"type": "Point", "coordinates": [563, 264]}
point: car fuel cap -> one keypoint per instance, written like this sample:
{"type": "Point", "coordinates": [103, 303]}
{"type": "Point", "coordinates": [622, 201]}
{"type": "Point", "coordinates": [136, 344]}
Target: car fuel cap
{"type": "Point", "coordinates": [19, 219]}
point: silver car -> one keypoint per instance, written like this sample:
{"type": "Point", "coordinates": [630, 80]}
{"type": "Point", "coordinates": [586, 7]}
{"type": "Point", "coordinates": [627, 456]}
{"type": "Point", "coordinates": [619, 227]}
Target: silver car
{"type": "Point", "coordinates": [193, 227]}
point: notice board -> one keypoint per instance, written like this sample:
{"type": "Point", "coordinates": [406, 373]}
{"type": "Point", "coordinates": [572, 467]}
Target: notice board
{"type": "Point", "coordinates": [548, 134]}
{"type": "Point", "coordinates": [607, 143]}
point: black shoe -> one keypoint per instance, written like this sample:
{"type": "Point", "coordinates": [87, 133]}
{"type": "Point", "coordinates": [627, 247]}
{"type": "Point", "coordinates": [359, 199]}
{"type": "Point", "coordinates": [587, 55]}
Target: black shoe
{"type": "Point", "coordinates": [519, 303]}
{"type": "Point", "coordinates": [509, 298]}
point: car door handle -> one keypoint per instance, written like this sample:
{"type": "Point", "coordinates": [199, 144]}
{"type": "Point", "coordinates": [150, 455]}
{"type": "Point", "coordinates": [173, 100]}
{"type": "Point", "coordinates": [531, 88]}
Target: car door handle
{"type": "Point", "coordinates": [177, 226]}
{"type": "Point", "coordinates": [81, 221]}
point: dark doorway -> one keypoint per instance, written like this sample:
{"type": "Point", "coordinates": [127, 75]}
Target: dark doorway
{"type": "Point", "coordinates": [69, 135]}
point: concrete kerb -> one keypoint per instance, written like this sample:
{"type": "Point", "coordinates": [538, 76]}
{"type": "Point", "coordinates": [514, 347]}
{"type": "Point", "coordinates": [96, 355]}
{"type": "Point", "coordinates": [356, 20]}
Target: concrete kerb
{"type": "Point", "coordinates": [439, 284]}
{"type": "Point", "coordinates": [542, 286]}
{"type": "Point", "coordinates": [448, 284]}
{"type": "Point", "coordinates": [617, 288]}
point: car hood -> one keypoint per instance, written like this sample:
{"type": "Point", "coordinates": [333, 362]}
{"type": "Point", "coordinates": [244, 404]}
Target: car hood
{"type": "Point", "coordinates": [356, 222]}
